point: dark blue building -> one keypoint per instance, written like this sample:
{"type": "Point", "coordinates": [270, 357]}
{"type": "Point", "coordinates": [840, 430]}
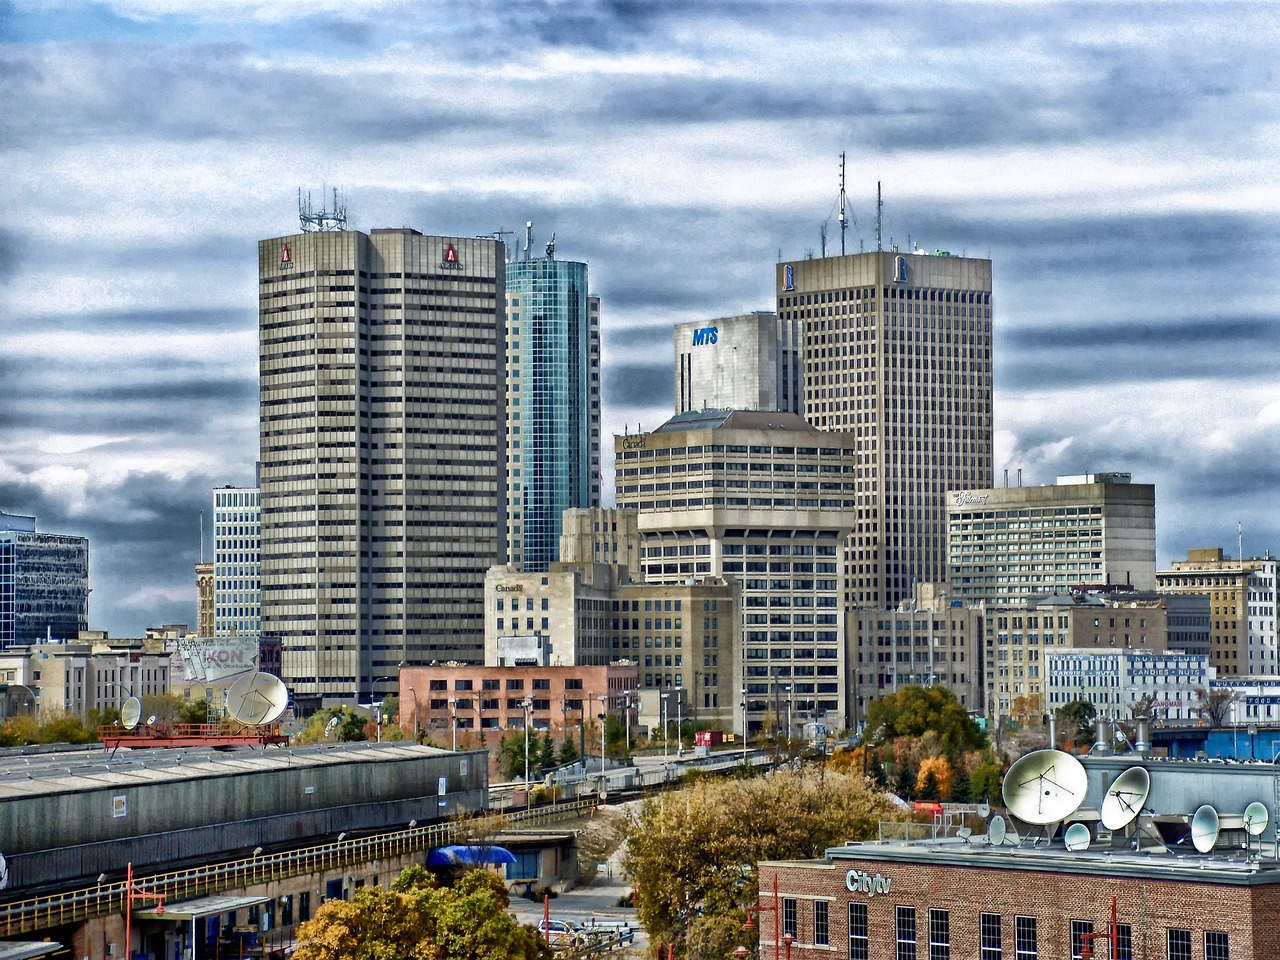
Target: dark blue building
{"type": "Point", "coordinates": [44, 583]}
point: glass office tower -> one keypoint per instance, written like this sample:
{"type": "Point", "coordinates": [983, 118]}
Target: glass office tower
{"type": "Point", "coordinates": [553, 403]}
{"type": "Point", "coordinates": [44, 584]}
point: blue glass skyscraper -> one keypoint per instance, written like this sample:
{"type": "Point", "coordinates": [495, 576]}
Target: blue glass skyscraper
{"type": "Point", "coordinates": [553, 403]}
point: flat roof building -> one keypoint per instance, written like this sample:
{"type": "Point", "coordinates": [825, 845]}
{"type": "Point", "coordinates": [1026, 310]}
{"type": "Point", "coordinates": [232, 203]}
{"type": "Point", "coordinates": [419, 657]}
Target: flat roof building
{"type": "Point", "coordinates": [753, 361]}
{"type": "Point", "coordinates": [44, 583]}
{"type": "Point", "coordinates": [1226, 582]}
{"type": "Point", "coordinates": [237, 561]}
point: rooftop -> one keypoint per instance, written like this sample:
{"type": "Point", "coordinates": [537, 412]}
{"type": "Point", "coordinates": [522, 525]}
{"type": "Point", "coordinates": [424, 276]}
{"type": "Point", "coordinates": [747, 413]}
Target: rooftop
{"type": "Point", "coordinates": [736, 420]}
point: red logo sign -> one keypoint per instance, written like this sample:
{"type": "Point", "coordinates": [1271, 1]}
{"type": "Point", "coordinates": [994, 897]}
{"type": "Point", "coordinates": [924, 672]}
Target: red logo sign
{"type": "Point", "coordinates": [451, 255]}
{"type": "Point", "coordinates": [284, 255]}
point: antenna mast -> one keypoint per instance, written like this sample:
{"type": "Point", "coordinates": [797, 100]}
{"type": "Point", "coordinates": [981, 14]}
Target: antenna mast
{"type": "Point", "coordinates": [844, 223]}
{"type": "Point", "coordinates": [322, 220]}
{"type": "Point", "coordinates": [879, 218]}
{"type": "Point", "coordinates": [528, 238]}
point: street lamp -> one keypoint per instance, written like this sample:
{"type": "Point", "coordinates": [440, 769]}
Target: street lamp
{"type": "Point", "coordinates": [789, 699]}
{"type": "Point", "coordinates": [679, 722]}
{"type": "Point", "coordinates": [626, 716]}
{"type": "Point", "coordinates": [527, 704]}
{"type": "Point", "coordinates": [31, 695]}
{"type": "Point", "coordinates": [453, 718]}
{"type": "Point", "coordinates": [662, 715]}
{"type": "Point", "coordinates": [777, 918]}
{"type": "Point", "coordinates": [604, 712]}
{"type": "Point", "coordinates": [414, 693]}
{"type": "Point", "coordinates": [744, 724]}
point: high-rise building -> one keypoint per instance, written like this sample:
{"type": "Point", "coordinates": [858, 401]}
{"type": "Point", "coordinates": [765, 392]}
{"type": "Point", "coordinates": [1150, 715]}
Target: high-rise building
{"type": "Point", "coordinates": [44, 583]}
{"type": "Point", "coordinates": [757, 498]}
{"type": "Point", "coordinates": [750, 362]}
{"type": "Point", "coordinates": [897, 353]}
{"type": "Point", "coordinates": [204, 598]}
{"type": "Point", "coordinates": [1227, 583]}
{"type": "Point", "coordinates": [382, 365]}
{"type": "Point", "coordinates": [237, 563]}
{"type": "Point", "coordinates": [1089, 531]}
{"type": "Point", "coordinates": [553, 403]}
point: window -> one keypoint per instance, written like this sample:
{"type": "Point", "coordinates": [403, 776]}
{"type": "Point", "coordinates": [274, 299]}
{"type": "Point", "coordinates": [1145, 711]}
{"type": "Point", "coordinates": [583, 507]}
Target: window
{"type": "Point", "coordinates": [990, 937]}
{"type": "Point", "coordinates": [1124, 940]}
{"type": "Point", "coordinates": [906, 933]}
{"type": "Point", "coordinates": [821, 936]}
{"type": "Point", "coordinates": [1080, 929]}
{"type": "Point", "coordinates": [939, 935]}
{"type": "Point", "coordinates": [858, 931]}
{"type": "Point", "coordinates": [1024, 937]}
{"type": "Point", "coordinates": [788, 916]}
{"type": "Point", "coordinates": [1216, 945]}
{"type": "Point", "coordinates": [1179, 944]}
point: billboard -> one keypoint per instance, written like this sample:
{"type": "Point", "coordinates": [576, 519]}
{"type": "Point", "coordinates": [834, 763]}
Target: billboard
{"type": "Point", "coordinates": [211, 659]}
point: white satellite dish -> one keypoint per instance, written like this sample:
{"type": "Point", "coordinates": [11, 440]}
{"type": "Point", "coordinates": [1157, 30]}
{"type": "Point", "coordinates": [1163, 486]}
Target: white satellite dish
{"type": "Point", "coordinates": [1204, 828]}
{"type": "Point", "coordinates": [1044, 787]}
{"type": "Point", "coordinates": [1124, 798]}
{"type": "Point", "coordinates": [996, 830]}
{"type": "Point", "coordinates": [130, 713]}
{"type": "Point", "coordinates": [984, 810]}
{"type": "Point", "coordinates": [1256, 818]}
{"type": "Point", "coordinates": [257, 698]}
{"type": "Point", "coordinates": [1077, 837]}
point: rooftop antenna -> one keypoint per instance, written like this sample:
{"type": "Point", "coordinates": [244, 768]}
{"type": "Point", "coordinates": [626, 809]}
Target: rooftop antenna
{"type": "Point", "coordinates": [844, 223]}
{"type": "Point", "coordinates": [1240, 540]}
{"type": "Point", "coordinates": [528, 237]}
{"type": "Point", "coordinates": [879, 218]}
{"type": "Point", "coordinates": [822, 235]}
{"type": "Point", "coordinates": [499, 234]}
{"type": "Point", "coordinates": [202, 536]}
{"type": "Point", "coordinates": [322, 220]}
{"type": "Point", "coordinates": [551, 247]}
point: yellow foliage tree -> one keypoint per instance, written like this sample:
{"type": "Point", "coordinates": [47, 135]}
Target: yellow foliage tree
{"type": "Point", "coordinates": [942, 773]}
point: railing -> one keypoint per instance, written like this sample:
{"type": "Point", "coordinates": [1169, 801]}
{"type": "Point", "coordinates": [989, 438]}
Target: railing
{"type": "Point", "coordinates": [40, 913]}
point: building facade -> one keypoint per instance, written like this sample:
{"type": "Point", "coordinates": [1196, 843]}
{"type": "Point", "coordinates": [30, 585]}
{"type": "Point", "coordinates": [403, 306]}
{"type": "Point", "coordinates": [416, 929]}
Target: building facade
{"type": "Point", "coordinates": [1225, 582]}
{"type": "Point", "coordinates": [383, 464]}
{"type": "Point", "coordinates": [1262, 608]}
{"type": "Point", "coordinates": [766, 501]}
{"type": "Point", "coordinates": [204, 598]}
{"type": "Point", "coordinates": [601, 535]}
{"type": "Point", "coordinates": [237, 562]}
{"type": "Point", "coordinates": [553, 403]}
{"type": "Point", "coordinates": [1115, 680]}
{"type": "Point", "coordinates": [1010, 543]}
{"type": "Point", "coordinates": [754, 361]}
{"type": "Point", "coordinates": [44, 583]}
{"type": "Point", "coordinates": [898, 355]}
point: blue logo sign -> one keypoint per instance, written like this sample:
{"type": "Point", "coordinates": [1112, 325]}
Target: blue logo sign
{"type": "Point", "coordinates": [705, 335]}
{"type": "Point", "coordinates": [899, 269]}
{"type": "Point", "coordinates": [788, 278]}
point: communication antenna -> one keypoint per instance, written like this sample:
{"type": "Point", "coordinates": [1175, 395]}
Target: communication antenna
{"type": "Point", "coordinates": [879, 218]}
{"type": "Point", "coordinates": [844, 223]}
{"type": "Point", "coordinates": [257, 698]}
{"type": "Point", "coordinates": [1204, 828]}
{"type": "Point", "coordinates": [1124, 798]}
{"type": "Point", "coordinates": [322, 220]}
{"type": "Point", "coordinates": [528, 238]}
{"type": "Point", "coordinates": [1044, 787]}
{"type": "Point", "coordinates": [1077, 837]}
{"type": "Point", "coordinates": [130, 713]}
{"type": "Point", "coordinates": [822, 235]}
{"type": "Point", "coordinates": [500, 234]}
{"type": "Point", "coordinates": [996, 831]}
{"type": "Point", "coordinates": [1256, 818]}
{"type": "Point", "coordinates": [551, 247]}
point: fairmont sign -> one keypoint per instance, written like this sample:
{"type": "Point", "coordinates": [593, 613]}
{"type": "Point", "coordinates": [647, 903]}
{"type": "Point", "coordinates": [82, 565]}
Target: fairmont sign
{"type": "Point", "coordinates": [963, 497]}
{"type": "Point", "coordinates": [858, 882]}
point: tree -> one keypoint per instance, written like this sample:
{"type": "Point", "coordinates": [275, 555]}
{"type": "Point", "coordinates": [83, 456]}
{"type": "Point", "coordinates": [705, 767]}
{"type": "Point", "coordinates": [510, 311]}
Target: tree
{"type": "Point", "coordinates": [692, 854]}
{"type": "Point", "coordinates": [568, 751]}
{"type": "Point", "coordinates": [60, 727]}
{"type": "Point", "coordinates": [1215, 705]}
{"type": "Point", "coordinates": [934, 779]}
{"type": "Point", "coordinates": [418, 917]}
{"type": "Point", "coordinates": [511, 754]}
{"type": "Point", "coordinates": [914, 710]}
{"type": "Point", "coordinates": [1077, 719]}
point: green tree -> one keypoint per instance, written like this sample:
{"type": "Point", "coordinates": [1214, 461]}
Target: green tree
{"type": "Point", "coordinates": [1077, 719]}
{"type": "Point", "coordinates": [511, 754]}
{"type": "Point", "coordinates": [914, 710]}
{"type": "Point", "coordinates": [59, 727]}
{"type": "Point", "coordinates": [960, 787]}
{"type": "Point", "coordinates": [419, 918]}
{"type": "Point", "coordinates": [546, 752]}
{"type": "Point", "coordinates": [568, 751]}
{"type": "Point", "coordinates": [615, 736]}
{"type": "Point", "coordinates": [985, 775]}
{"type": "Point", "coordinates": [693, 854]}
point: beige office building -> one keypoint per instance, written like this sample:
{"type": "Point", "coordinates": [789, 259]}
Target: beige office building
{"type": "Point", "coordinates": [1225, 581]}
{"type": "Point", "coordinates": [898, 356]}
{"type": "Point", "coordinates": [753, 361]}
{"type": "Point", "coordinates": [383, 477]}
{"type": "Point", "coordinates": [1010, 543]}
{"type": "Point", "coordinates": [766, 501]}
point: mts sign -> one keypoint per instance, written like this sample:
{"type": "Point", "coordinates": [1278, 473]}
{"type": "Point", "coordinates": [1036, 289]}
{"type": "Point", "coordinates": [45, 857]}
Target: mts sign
{"type": "Point", "coordinates": [705, 335]}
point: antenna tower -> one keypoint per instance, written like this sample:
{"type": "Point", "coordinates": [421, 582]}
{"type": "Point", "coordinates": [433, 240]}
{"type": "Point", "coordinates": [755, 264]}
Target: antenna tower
{"type": "Point", "coordinates": [844, 223]}
{"type": "Point", "coordinates": [822, 230]}
{"type": "Point", "coordinates": [322, 220]}
{"type": "Point", "coordinates": [528, 238]}
{"type": "Point", "coordinates": [879, 218]}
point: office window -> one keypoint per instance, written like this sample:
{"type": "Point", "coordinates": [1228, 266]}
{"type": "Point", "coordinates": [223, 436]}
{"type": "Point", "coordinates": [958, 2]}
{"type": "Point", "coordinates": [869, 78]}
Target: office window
{"type": "Point", "coordinates": [939, 935]}
{"type": "Point", "coordinates": [990, 942]}
{"type": "Point", "coordinates": [1024, 938]}
{"type": "Point", "coordinates": [821, 935]}
{"type": "Point", "coordinates": [789, 916]}
{"type": "Point", "coordinates": [1079, 928]}
{"type": "Point", "coordinates": [1124, 940]}
{"type": "Point", "coordinates": [1179, 944]}
{"type": "Point", "coordinates": [858, 948]}
{"type": "Point", "coordinates": [1216, 945]}
{"type": "Point", "coordinates": [906, 933]}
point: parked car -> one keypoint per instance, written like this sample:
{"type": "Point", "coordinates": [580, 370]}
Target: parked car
{"type": "Point", "coordinates": [562, 933]}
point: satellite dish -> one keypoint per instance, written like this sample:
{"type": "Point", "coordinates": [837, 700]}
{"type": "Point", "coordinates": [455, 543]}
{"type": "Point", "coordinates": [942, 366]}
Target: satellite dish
{"type": "Point", "coordinates": [984, 810]}
{"type": "Point", "coordinates": [130, 713]}
{"type": "Point", "coordinates": [257, 698]}
{"type": "Point", "coordinates": [4, 873]}
{"type": "Point", "coordinates": [996, 830]}
{"type": "Point", "coordinates": [1077, 837]}
{"type": "Point", "coordinates": [1124, 798]}
{"type": "Point", "coordinates": [151, 719]}
{"type": "Point", "coordinates": [1044, 787]}
{"type": "Point", "coordinates": [964, 833]}
{"type": "Point", "coordinates": [1204, 828]}
{"type": "Point", "coordinates": [1256, 818]}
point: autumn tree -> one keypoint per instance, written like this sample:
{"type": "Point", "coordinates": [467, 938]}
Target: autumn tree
{"type": "Point", "coordinates": [914, 710]}
{"type": "Point", "coordinates": [1215, 705]}
{"type": "Point", "coordinates": [418, 917]}
{"type": "Point", "coordinates": [1077, 718]}
{"type": "Point", "coordinates": [939, 771]}
{"type": "Point", "coordinates": [692, 854]}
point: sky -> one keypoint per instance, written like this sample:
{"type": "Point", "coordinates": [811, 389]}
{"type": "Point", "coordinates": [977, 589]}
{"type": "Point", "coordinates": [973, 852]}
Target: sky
{"type": "Point", "coordinates": [1116, 161]}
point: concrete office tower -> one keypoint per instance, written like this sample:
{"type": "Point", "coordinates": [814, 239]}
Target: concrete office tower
{"type": "Point", "coordinates": [749, 362]}
{"type": "Point", "coordinates": [898, 354]}
{"type": "Point", "coordinates": [1233, 589]}
{"type": "Point", "coordinates": [1084, 532]}
{"type": "Point", "coordinates": [44, 583]}
{"type": "Point", "coordinates": [237, 562]}
{"type": "Point", "coordinates": [382, 369]}
{"type": "Point", "coordinates": [756, 498]}
{"type": "Point", "coordinates": [553, 403]}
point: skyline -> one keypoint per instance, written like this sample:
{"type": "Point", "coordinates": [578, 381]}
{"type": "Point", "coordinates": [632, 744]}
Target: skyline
{"type": "Point", "coordinates": [1111, 160]}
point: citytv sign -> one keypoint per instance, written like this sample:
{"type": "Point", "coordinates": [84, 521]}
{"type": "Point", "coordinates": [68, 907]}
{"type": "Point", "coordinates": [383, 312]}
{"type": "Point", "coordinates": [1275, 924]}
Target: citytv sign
{"type": "Point", "coordinates": [705, 335]}
{"type": "Point", "coordinates": [856, 881]}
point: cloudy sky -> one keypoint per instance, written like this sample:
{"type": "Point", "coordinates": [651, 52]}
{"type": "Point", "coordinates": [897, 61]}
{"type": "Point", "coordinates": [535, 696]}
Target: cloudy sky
{"type": "Point", "coordinates": [1116, 161]}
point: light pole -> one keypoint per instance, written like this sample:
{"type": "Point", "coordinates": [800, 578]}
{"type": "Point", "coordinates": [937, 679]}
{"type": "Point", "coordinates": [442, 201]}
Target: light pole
{"type": "Point", "coordinates": [413, 693]}
{"type": "Point", "coordinates": [453, 721]}
{"type": "Point", "coordinates": [31, 694]}
{"type": "Point", "coordinates": [662, 715]}
{"type": "Point", "coordinates": [679, 722]}
{"type": "Point", "coordinates": [790, 691]}
{"type": "Point", "coordinates": [604, 712]}
{"type": "Point", "coordinates": [744, 724]}
{"type": "Point", "coordinates": [626, 716]}
{"type": "Point", "coordinates": [528, 719]}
